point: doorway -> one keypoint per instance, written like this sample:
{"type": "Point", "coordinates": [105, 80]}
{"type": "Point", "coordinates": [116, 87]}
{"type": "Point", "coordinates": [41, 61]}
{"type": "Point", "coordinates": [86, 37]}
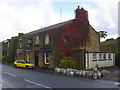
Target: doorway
{"type": "Point", "coordinates": [36, 58]}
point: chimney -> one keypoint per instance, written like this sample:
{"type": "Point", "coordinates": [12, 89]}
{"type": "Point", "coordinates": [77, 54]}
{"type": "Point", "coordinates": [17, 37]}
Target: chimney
{"type": "Point", "coordinates": [81, 14]}
{"type": "Point", "coordinates": [20, 34]}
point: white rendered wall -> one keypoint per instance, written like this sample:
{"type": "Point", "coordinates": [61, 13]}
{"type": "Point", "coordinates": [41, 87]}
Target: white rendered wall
{"type": "Point", "coordinates": [105, 63]}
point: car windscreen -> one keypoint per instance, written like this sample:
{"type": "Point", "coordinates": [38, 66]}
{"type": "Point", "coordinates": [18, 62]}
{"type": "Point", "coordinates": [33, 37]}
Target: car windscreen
{"type": "Point", "coordinates": [27, 62]}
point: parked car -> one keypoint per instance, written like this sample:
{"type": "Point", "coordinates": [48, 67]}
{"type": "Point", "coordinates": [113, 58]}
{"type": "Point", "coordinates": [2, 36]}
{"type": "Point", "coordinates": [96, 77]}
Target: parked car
{"type": "Point", "coordinates": [23, 64]}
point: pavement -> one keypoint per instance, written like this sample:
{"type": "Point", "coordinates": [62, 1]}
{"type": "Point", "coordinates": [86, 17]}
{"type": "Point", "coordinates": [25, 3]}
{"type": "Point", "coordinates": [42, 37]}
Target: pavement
{"type": "Point", "coordinates": [27, 78]}
{"type": "Point", "coordinates": [113, 76]}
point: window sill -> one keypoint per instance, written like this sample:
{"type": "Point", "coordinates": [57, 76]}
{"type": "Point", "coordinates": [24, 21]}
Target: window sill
{"type": "Point", "coordinates": [94, 60]}
{"type": "Point", "coordinates": [37, 45]}
{"type": "Point", "coordinates": [46, 45]}
{"type": "Point", "coordinates": [46, 63]}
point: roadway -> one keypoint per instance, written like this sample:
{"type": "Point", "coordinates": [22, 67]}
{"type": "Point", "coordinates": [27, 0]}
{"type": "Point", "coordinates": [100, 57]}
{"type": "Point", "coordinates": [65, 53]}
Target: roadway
{"type": "Point", "coordinates": [27, 78]}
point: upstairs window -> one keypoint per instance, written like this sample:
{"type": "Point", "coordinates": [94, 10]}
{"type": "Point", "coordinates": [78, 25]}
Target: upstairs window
{"type": "Point", "coordinates": [8, 44]}
{"type": "Point", "coordinates": [29, 41]}
{"type": "Point", "coordinates": [20, 44]}
{"type": "Point", "coordinates": [37, 40]}
{"type": "Point", "coordinates": [65, 39]}
{"type": "Point", "coordinates": [46, 39]}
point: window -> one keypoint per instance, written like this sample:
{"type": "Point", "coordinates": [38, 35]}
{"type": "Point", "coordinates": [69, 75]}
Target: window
{"type": "Point", "coordinates": [94, 56]}
{"type": "Point", "coordinates": [109, 57]}
{"type": "Point", "coordinates": [20, 44]}
{"type": "Point", "coordinates": [104, 56]}
{"type": "Point", "coordinates": [29, 40]}
{"type": "Point", "coordinates": [8, 44]}
{"type": "Point", "coordinates": [100, 56]}
{"type": "Point", "coordinates": [37, 40]}
{"type": "Point", "coordinates": [46, 39]}
{"type": "Point", "coordinates": [46, 58]}
{"type": "Point", "coordinates": [65, 39]}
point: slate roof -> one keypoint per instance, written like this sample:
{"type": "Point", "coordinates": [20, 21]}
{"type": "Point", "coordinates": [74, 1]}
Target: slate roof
{"type": "Point", "coordinates": [46, 28]}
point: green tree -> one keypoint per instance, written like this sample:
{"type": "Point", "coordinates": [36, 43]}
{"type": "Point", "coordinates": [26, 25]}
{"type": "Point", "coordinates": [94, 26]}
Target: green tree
{"type": "Point", "coordinates": [103, 34]}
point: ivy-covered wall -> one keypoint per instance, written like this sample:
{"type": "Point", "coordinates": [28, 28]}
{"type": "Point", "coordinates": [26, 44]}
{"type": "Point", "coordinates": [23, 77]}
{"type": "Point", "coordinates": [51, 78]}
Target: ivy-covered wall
{"type": "Point", "coordinates": [76, 35]}
{"type": "Point", "coordinates": [12, 49]}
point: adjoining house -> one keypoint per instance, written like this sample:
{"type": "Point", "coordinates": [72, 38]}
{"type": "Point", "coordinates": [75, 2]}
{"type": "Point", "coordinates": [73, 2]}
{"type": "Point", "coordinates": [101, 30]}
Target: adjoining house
{"type": "Point", "coordinates": [73, 38]}
{"type": "Point", "coordinates": [9, 48]}
{"type": "Point", "coordinates": [5, 47]}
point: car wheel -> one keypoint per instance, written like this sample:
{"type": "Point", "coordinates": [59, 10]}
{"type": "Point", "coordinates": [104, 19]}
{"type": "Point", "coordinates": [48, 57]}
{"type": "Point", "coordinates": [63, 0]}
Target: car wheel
{"type": "Point", "coordinates": [27, 67]}
{"type": "Point", "coordinates": [15, 66]}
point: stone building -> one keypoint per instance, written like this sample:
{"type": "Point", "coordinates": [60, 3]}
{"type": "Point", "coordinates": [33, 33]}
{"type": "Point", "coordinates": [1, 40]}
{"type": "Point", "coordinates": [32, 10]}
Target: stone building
{"type": "Point", "coordinates": [9, 48]}
{"type": "Point", "coordinates": [6, 47]}
{"type": "Point", "coordinates": [72, 38]}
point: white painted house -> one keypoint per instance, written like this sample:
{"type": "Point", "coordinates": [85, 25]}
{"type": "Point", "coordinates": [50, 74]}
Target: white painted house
{"type": "Point", "coordinates": [102, 59]}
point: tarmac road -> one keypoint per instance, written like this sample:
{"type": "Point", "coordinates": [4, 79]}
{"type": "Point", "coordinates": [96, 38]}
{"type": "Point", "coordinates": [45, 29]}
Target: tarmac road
{"type": "Point", "coordinates": [26, 78]}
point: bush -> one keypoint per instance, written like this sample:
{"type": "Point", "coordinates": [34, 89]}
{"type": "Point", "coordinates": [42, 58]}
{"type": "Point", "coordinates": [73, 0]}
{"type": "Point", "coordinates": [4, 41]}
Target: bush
{"type": "Point", "coordinates": [67, 62]}
{"type": "Point", "coordinates": [5, 59]}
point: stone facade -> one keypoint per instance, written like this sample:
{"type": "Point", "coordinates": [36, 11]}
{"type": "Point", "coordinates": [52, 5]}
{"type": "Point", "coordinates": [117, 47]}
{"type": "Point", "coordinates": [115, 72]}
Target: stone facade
{"type": "Point", "coordinates": [71, 38]}
{"type": "Point", "coordinates": [94, 42]}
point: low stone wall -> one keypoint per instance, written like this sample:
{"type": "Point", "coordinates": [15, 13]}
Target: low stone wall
{"type": "Point", "coordinates": [81, 73]}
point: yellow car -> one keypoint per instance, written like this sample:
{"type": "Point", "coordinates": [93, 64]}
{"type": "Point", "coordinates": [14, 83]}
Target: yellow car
{"type": "Point", "coordinates": [23, 64]}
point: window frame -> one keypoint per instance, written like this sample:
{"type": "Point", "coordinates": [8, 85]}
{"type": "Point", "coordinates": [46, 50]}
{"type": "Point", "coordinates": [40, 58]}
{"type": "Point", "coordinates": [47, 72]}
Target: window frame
{"type": "Point", "coordinates": [20, 44]}
{"type": "Point", "coordinates": [29, 41]}
{"type": "Point", "coordinates": [65, 39]}
{"type": "Point", "coordinates": [37, 40]}
{"type": "Point", "coordinates": [100, 56]}
{"type": "Point", "coordinates": [104, 56]}
{"type": "Point", "coordinates": [94, 57]}
{"type": "Point", "coordinates": [110, 57]}
{"type": "Point", "coordinates": [47, 39]}
{"type": "Point", "coordinates": [46, 58]}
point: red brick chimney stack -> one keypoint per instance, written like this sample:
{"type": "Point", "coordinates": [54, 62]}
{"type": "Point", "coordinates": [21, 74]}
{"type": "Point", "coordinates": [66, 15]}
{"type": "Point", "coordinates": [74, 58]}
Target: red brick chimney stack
{"type": "Point", "coordinates": [81, 14]}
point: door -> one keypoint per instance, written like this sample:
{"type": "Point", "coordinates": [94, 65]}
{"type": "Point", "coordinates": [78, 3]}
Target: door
{"type": "Point", "coordinates": [36, 58]}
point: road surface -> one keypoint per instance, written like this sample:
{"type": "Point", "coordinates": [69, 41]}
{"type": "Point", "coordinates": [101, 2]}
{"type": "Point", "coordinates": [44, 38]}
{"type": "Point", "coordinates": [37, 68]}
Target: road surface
{"type": "Point", "coordinates": [27, 78]}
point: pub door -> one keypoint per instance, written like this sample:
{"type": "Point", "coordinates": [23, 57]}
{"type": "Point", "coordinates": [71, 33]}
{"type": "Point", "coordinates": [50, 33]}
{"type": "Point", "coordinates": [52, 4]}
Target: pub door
{"type": "Point", "coordinates": [36, 58]}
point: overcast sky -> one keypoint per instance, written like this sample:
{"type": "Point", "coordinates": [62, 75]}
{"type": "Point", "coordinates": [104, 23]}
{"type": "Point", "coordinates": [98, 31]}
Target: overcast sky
{"type": "Point", "coordinates": [23, 16]}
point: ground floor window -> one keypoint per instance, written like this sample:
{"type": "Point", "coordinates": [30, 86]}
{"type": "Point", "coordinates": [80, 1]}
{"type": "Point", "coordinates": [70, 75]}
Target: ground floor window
{"type": "Point", "coordinates": [46, 58]}
{"type": "Point", "coordinates": [104, 56]}
{"type": "Point", "coordinates": [100, 56]}
{"type": "Point", "coordinates": [94, 56]}
{"type": "Point", "coordinates": [109, 57]}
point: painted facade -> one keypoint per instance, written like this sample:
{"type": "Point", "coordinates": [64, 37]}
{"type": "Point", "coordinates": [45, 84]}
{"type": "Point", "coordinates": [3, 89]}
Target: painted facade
{"type": "Point", "coordinates": [100, 59]}
{"type": "Point", "coordinates": [71, 38]}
